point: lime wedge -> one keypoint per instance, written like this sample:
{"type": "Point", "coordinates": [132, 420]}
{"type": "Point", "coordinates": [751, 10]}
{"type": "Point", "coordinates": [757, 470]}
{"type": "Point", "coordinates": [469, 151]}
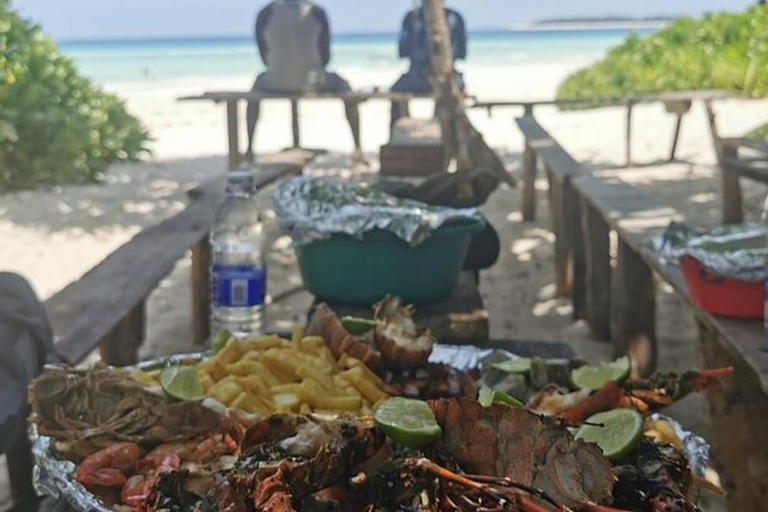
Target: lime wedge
{"type": "Point", "coordinates": [182, 383]}
{"type": "Point", "coordinates": [620, 431]}
{"type": "Point", "coordinates": [356, 325]}
{"type": "Point", "coordinates": [407, 421]}
{"type": "Point", "coordinates": [220, 341]}
{"type": "Point", "coordinates": [516, 365]}
{"type": "Point", "coordinates": [593, 377]}
{"type": "Point", "coordinates": [486, 396]}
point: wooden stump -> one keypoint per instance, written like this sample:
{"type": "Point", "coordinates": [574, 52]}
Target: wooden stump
{"type": "Point", "coordinates": [121, 346]}
{"type": "Point", "coordinates": [529, 184]}
{"type": "Point", "coordinates": [201, 291]}
{"type": "Point", "coordinates": [633, 311]}
{"type": "Point", "coordinates": [597, 262]}
{"type": "Point", "coordinates": [738, 414]}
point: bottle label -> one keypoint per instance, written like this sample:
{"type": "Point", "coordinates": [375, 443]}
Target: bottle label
{"type": "Point", "coordinates": [238, 286]}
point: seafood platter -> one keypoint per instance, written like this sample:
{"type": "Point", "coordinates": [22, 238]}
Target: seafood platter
{"type": "Point", "coordinates": [365, 415]}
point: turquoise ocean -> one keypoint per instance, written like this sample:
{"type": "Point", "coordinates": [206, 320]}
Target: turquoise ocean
{"type": "Point", "coordinates": [177, 59]}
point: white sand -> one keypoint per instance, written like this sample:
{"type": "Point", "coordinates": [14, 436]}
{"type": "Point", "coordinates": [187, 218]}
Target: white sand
{"type": "Point", "coordinates": [54, 236]}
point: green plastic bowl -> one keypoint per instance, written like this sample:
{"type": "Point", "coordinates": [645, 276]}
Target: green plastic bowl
{"type": "Point", "coordinates": [360, 272]}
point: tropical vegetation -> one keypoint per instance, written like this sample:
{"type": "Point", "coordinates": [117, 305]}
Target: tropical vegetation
{"type": "Point", "coordinates": [55, 125]}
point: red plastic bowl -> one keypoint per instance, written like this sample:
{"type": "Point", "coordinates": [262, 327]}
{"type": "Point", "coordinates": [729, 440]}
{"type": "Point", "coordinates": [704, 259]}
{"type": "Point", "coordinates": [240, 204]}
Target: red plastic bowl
{"type": "Point", "coordinates": [720, 296]}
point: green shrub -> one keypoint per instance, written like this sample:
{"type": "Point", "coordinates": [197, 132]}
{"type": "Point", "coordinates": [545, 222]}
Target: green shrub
{"type": "Point", "coordinates": [55, 125]}
{"type": "Point", "coordinates": [719, 51]}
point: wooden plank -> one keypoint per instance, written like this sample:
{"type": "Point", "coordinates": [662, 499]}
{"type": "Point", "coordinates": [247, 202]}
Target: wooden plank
{"type": "Point", "coordinates": [120, 347]}
{"type": "Point", "coordinates": [755, 169]}
{"type": "Point", "coordinates": [578, 254]}
{"type": "Point", "coordinates": [416, 148]}
{"type": "Point", "coordinates": [738, 413]}
{"type": "Point", "coordinates": [201, 290]}
{"type": "Point", "coordinates": [529, 184]}
{"type": "Point", "coordinates": [633, 311]}
{"type": "Point", "coordinates": [547, 150]}
{"type": "Point", "coordinates": [746, 142]}
{"type": "Point", "coordinates": [417, 132]}
{"type": "Point", "coordinates": [462, 317]}
{"type": "Point", "coordinates": [557, 214]}
{"type": "Point", "coordinates": [597, 263]}
{"type": "Point", "coordinates": [733, 209]}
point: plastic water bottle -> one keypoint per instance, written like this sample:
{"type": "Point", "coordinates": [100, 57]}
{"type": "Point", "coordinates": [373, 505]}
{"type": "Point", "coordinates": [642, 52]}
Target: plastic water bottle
{"type": "Point", "coordinates": [238, 273]}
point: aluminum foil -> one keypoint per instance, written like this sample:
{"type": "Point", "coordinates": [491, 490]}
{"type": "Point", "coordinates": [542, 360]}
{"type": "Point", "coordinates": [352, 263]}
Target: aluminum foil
{"type": "Point", "coordinates": [55, 476]}
{"type": "Point", "coordinates": [311, 209]}
{"type": "Point", "coordinates": [734, 252]}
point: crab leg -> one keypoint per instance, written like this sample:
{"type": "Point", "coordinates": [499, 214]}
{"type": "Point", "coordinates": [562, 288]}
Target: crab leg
{"type": "Point", "coordinates": [607, 397]}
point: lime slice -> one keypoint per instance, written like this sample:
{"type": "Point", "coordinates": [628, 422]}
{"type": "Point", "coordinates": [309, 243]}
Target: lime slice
{"type": "Point", "coordinates": [220, 341]}
{"type": "Point", "coordinates": [516, 365]}
{"type": "Point", "coordinates": [356, 325]}
{"type": "Point", "coordinates": [486, 396]}
{"type": "Point", "coordinates": [407, 421]}
{"type": "Point", "coordinates": [182, 383]}
{"type": "Point", "coordinates": [620, 431]}
{"type": "Point", "coordinates": [594, 377]}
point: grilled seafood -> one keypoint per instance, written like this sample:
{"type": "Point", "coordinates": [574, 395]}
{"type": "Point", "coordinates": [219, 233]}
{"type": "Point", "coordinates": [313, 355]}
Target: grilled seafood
{"type": "Point", "coordinates": [89, 410]}
{"type": "Point", "coordinates": [326, 324]}
{"type": "Point", "coordinates": [402, 345]}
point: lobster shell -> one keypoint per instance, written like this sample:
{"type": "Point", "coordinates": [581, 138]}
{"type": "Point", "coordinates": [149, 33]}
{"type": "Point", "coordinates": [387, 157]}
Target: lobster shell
{"type": "Point", "coordinates": [326, 324]}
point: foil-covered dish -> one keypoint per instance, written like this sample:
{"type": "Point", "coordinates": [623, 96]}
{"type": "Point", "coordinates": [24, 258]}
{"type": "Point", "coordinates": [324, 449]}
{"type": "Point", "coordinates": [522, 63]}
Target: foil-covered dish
{"type": "Point", "coordinates": [55, 475]}
{"type": "Point", "coordinates": [733, 252]}
{"type": "Point", "coordinates": [311, 209]}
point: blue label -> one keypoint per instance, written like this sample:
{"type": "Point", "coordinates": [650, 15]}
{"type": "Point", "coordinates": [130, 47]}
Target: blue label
{"type": "Point", "coordinates": [238, 286]}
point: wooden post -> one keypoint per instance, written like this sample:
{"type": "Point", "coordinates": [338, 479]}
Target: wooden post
{"type": "Point", "coordinates": [633, 311]}
{"type": "Point", "coordinates": [738, 414]}
{"type": "Point", "coordinates": [733, 210]}
{"type": "Point", "coordinates": [201, 291]}
{"type": "Point", "coordinates": [679, 108]}
{"type": "Point", "coordinates": [713, 129]}
{"type": "Point", "coordinates": [562, 252]}
{"type": "Point", "coordinates": [578, 257]}
{"type": "Point", "coordinates": [20, 464]}
{"type": "Point", "coordinates": [597, 262]}
{"type": "Point", "coordinates": [628, 160]}
{"type": "Point", "coordinates": [121, 346]}
{"type": "Point", "coordinates": [295, 121]}
{"type": "Point", "coordinates": [233, 134]}
{"type": "Point", "coordinates": [529, 183]}
{"type": "Point", "coordinates": [528, 109]}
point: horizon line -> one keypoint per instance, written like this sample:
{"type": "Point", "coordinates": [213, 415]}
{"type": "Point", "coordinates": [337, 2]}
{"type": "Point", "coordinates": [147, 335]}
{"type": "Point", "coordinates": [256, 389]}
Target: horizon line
{"type": "Point", "coordinates": [542, 26]}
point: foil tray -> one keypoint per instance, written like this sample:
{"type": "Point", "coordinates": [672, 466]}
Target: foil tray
{"type": "Point", "coordinates": [55, 476]}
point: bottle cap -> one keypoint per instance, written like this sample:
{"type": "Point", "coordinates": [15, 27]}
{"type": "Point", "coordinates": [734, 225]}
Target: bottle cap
{"type": "Point", "coordinates": [241, 182]}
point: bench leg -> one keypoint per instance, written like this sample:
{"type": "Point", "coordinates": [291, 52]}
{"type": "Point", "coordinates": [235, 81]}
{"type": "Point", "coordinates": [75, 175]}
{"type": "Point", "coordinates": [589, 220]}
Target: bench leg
{"type": "Point", "coordinates": [121, 346]}
{"type": "Point", "coordinates": [738, 415]}
{"type": "Point", "coordinates": [233, 134]}
{"type": "Point", "coordinates": [295, 123]}
{"type": "Point", "coordinates": [733, 210]}
{"type": "Point", "coordinates": [562, 253]}
{"type": "Point", "coordinates": [633, 311]}
{"type": "Point", "coordinates": [676, 137]}
{"type": "Point", "coordinates": [597, 262]}
{"type": "Point", "coordinates": [20, 464]}
{"type": "Point", "coordinates": [578, 257]}
{"type": "Point", "coordinates": [201, 291]}
{"type": "Point", "coordinates": [529, 184]}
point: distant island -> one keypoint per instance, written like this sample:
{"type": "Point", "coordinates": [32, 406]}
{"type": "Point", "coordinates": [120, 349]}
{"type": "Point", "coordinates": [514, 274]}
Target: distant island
{"type": "Point", "coordinates": [604, 22]}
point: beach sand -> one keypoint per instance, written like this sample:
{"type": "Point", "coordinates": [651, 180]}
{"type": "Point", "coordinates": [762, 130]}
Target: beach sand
{"type": "Point", "coordinates": [53, 236]}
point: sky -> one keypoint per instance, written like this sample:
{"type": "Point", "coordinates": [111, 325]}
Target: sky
{"type": "Point", "coordinates": [116, 19]}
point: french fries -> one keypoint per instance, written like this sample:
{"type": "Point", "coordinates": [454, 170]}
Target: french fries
{"type": "Point", "coordinates": [266, 375]}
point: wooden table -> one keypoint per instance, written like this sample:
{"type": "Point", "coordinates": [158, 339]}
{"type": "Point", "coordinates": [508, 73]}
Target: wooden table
{"type": "Point", "coordinates": [233, 98]}
{"type": "Point", "coordinates": [460, 318]}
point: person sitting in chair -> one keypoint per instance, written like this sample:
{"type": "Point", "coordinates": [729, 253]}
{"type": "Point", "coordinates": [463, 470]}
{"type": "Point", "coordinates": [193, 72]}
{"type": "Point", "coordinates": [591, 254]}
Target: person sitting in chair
{"type": "Point", "coordinates": [413, 45]}
{"type": "Point", "coordinates": [294, 42]}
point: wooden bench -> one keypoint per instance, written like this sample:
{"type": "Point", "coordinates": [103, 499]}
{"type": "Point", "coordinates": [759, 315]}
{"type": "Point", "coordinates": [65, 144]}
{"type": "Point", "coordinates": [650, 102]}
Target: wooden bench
{"type": "Point", "coordinates": [618, 298]}
{"type": "Point", "coordinates": [733, 167]}
{"type": "Point", "coordinates": [560, 169]}
{"type": "Point", "coordinates": [106, 307]}
{"type": "Point", "coordinates": [416, 148]}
